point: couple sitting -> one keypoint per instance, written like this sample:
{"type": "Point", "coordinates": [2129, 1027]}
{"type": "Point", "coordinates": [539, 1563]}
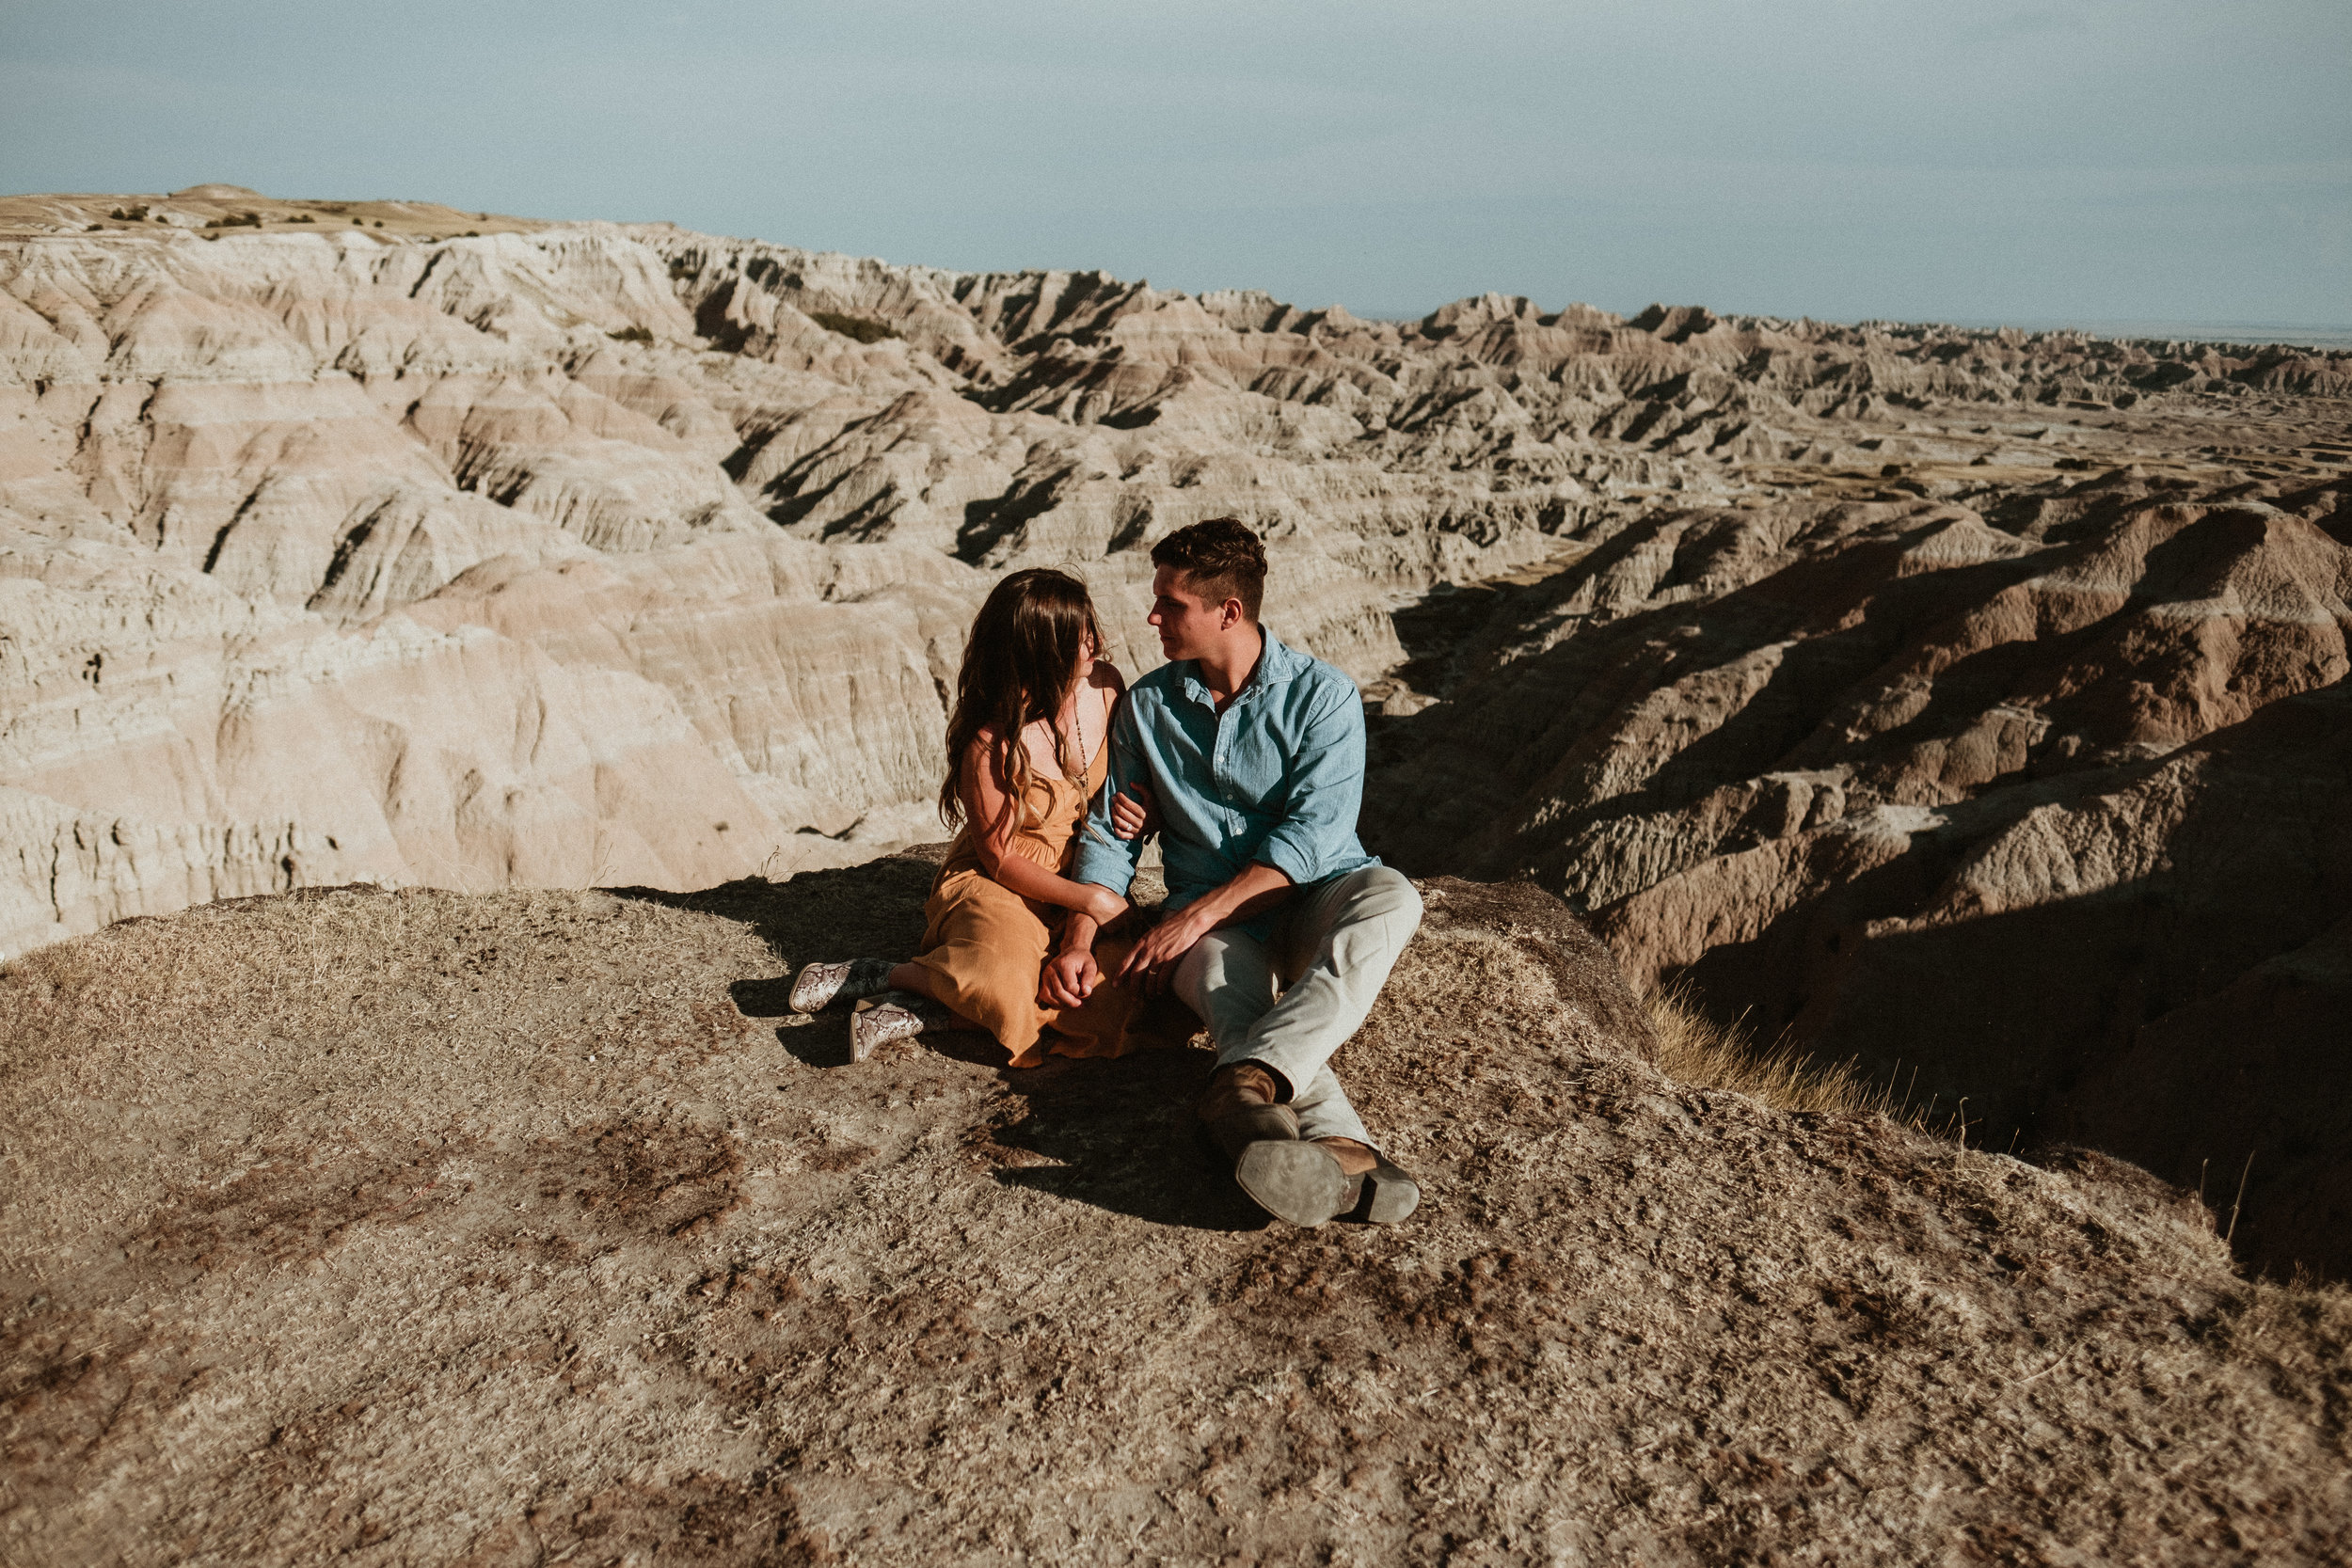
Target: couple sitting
{"type": "Point", "coordinates": [1248, 758]}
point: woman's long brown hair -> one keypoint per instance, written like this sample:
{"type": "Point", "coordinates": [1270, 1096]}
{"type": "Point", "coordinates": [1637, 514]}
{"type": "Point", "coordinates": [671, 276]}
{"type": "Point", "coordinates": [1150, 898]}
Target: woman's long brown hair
{"type": "Point", "coordinates": [1019, 666]}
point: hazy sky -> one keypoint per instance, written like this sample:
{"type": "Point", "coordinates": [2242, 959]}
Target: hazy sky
{"type": "Point", "coordinates": [2089, 160]}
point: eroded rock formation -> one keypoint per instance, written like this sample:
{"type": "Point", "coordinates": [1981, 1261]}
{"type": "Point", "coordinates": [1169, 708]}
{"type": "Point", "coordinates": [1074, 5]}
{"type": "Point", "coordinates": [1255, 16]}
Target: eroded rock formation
{"type": "Point", "coordinates": [346, 539]}
{"type": "Point", "coordinates": [2032, 801]}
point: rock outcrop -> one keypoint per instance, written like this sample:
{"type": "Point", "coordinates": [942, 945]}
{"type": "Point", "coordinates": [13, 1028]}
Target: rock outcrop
{"type": "Point", "coordinates": [2030, 802]}
{"type": "Point", "coordinates": [415, 1227]}
{"type": "Point", "coordinates": [346, 539]}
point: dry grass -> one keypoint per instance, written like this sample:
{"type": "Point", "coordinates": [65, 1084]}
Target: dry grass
{"type": "Point", "coordinates": [1694, 1049]}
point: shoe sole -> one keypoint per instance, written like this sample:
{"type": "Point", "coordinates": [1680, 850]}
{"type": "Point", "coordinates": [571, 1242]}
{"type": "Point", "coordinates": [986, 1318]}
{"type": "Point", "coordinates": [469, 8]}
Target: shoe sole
{"type": "Point", "coordinates": [1295, 1182]}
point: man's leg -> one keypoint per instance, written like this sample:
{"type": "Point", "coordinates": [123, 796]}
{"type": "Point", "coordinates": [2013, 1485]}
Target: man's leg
{"type": "Point", "coordinates": [1336, 946]}
{"type": "Point", "coordinates": [1340, 944]}
{"type": "Point", "coordinates": [1228, 980]}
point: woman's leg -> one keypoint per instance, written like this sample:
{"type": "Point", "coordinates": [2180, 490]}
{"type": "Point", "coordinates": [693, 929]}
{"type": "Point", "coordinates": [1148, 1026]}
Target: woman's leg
{"type": "Point", "coordinates": [916, 978]}
{"type": "Point", "coordinates": [982, 952]}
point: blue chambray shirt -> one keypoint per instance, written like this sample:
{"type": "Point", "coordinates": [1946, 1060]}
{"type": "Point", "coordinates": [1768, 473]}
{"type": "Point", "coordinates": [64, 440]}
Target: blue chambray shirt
{"type": "Point", "coordinates": [1277, 778]}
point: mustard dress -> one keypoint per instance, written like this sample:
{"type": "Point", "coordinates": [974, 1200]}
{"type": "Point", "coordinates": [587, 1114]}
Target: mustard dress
{"type": "Point", "coordinates": [986, 946]}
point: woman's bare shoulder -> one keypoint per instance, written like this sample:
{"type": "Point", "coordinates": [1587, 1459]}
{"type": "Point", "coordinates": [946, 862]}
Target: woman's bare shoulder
{"type": "Point", "coordinates": [985, 755]}
{"type": "Point", "coordinates": [1106, 677]}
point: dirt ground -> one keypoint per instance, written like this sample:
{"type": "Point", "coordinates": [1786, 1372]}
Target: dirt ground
{"type": "Point", "coordinates": [521, 1229]}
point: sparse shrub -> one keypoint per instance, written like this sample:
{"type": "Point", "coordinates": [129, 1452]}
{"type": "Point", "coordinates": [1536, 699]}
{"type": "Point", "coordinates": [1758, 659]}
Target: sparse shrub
{"type": "Point", "coordinates": [470, 234]}
{"type": "Point", "coordinates": [129, 215]}
{"type": "Point", "coordinates": [302, 217]}
{"type": "Point", "coordinates": [379, 223]}
{"type": "Point", "coordinates": [237, 220]}
{"type": "Point", "coordinates": [632, 334]}
{"type": "Point", "coordinates": [864, 331]}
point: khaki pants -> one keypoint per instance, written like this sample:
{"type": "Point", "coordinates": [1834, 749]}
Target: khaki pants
{"type": "Point", "coordinates": [1332, 948]}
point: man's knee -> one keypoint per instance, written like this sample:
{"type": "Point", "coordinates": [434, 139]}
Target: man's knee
{"type": "Point", "coordinates": [1376, 914]}
{"type": "Point", "coordinates": [1384, 893]}
{"type": "Point", "coordinates": [1189, 979]}
{"type": "Point", "coordinates": [1227, 965]}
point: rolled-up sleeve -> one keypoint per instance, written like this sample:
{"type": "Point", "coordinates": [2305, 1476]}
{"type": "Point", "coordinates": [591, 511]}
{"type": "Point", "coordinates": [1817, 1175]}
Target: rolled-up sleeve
{"type": "Point", "coordinates": [1104, 858]}
{"type": "Point", "coordinates": [1323, 790]}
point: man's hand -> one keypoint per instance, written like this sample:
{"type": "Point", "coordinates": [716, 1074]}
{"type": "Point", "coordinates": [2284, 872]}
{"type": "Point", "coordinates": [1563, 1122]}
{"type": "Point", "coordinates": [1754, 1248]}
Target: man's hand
{"type": "Point", "coordinates": [1153, 959]}
{"type": "Point", "coordinates": [1255, 887]}
{"type": "Point", "coordinates": [1068, 978]}
{"type": "Point", "coordinates": [1134, 812]}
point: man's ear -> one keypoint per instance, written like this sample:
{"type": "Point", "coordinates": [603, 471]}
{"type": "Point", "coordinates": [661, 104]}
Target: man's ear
{"type": "Point", "coordinates": [1230, 615]}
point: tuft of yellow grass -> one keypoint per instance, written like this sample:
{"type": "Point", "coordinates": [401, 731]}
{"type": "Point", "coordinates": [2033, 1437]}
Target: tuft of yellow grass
{"type": "Point", "coordinates": [1694, 1049]}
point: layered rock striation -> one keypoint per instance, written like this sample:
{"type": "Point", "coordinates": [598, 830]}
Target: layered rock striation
{"type": "Point", "coordinates": [531, 554]}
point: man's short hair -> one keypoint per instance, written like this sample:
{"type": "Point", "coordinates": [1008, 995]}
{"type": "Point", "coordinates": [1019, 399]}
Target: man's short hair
{"type": "Point", "coordinates": [1220, 559]}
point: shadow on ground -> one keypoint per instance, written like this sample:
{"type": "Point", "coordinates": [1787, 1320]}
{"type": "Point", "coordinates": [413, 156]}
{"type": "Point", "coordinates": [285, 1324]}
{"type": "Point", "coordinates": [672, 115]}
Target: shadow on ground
{"type": "Point", "coordinates": [1114, 1135]}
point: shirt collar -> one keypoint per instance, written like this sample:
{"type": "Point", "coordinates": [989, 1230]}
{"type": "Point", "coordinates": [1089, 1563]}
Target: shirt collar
{"type": "Point", "coordinates": [1278, 662]}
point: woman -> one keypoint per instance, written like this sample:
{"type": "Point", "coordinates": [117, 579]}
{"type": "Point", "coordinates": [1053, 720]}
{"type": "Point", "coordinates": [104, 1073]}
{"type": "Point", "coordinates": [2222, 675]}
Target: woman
{"type": "Point", "coordinates": [1027, 749]}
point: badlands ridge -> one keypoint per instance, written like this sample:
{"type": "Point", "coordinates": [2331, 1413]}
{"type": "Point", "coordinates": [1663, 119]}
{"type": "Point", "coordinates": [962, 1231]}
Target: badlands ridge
{"type": "Point", "coordinates": [1970, 704]}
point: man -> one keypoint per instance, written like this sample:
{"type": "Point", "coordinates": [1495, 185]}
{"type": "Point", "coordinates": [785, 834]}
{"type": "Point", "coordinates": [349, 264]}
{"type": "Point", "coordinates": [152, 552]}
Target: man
{"type": "Point", "coordinates": [1253, 754]}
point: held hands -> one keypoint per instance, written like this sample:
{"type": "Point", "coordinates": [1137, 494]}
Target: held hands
{"type": "Point", "coordinates": [1069, 977]}
{"type": "Point", "coordinates": [1134, 812]}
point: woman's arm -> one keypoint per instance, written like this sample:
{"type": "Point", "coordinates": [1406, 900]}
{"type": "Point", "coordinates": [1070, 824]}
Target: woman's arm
{"type": "Point", "coordinates": [986, 798]}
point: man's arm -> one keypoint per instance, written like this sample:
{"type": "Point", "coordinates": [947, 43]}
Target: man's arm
{"type": "Point", "coordinates": [1322, 792]}
{"type": "Point", "coordinates": [1103, 856]}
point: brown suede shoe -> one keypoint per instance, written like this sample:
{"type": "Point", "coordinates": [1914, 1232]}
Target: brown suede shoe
{"type": "Point", "coordinates": [1239, 1109]}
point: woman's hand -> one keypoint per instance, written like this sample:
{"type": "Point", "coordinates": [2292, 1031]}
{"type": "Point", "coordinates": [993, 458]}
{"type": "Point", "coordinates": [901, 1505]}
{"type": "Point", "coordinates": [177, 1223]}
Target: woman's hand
{"type": "Point", "coordinates": [1134, 812]}
{"type": "Point", "coordinates": [1068, 978]}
